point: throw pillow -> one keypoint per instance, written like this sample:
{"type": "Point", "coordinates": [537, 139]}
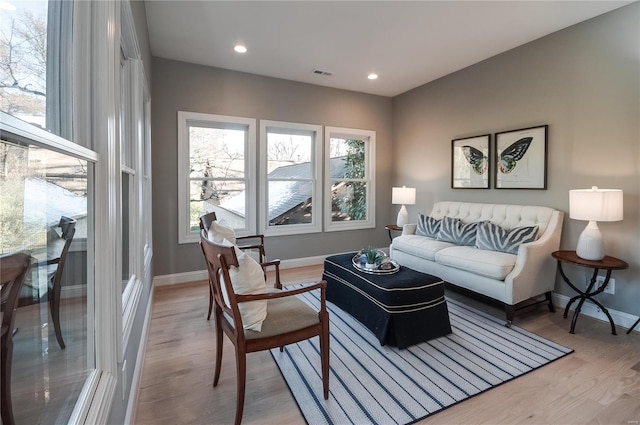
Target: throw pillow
{"type": "Point", "coordinates": [428, 226]}
{"type": "Point", "coordinates": [219, 231]}
{"type": "Point", "coordinates": [248, 278]}
{"type": "Point", "coordinates": [493, 237]}
{"type": "Point", "coordinates": [455, 231]}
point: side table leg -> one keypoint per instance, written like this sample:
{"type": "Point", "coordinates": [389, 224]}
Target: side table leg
{"type": "Point", "coordinates": [634, 325]}
{"type": "Point", "coordinates": [605, 311]}
{"type": "Point", "coordinates": [576, 314]}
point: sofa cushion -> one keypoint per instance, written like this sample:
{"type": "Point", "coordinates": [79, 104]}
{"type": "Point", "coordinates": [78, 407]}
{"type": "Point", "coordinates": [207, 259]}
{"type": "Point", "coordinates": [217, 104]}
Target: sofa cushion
{"type": "Point", "coordinates": [428, 226]}
{"type": "Point", "coordinates": [455, 231]}
{"type": "Point", "coordinates": [420, 246]}
{"type": "Point", "coordinates": [492, 264]}
{"type": "Point", "coordinates": [493, 237]}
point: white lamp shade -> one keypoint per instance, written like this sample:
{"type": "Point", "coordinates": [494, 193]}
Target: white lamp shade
{"type": "Point", "coordinates": [595, 204]}
{"type": "Point", "coordinates": [403, 195]}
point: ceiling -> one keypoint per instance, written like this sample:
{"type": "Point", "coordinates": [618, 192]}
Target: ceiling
{"type": "Point", "coordinates": [406, 43]}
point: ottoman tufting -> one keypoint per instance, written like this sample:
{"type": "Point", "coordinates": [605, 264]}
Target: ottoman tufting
{"type": "Point", "coordinates": [401, 309]}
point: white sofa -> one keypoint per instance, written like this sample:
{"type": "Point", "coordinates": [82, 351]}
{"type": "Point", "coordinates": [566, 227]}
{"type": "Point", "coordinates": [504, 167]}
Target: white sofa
{"type": "Point", "coordinates": [508, 278]}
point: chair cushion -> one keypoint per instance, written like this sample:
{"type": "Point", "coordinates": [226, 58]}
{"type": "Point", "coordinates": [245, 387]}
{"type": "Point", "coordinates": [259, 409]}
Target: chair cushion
{"type": "Point", "coordinates": [420, 246]}
{"type": "Point", "coordinates": [455, 231]}
{"type": "Point", "coordinates": [428, 226]}
{"type": "Point", "coordinates": [284, 315]}
{"type": "Point", "coordinates": [220, 230]}
{"type": "Point", "coordinates": [492, 264]}
{"type": "Point", "coordinates": [495, 238]}
{"type": "Point", "coordinates": [248, 278]}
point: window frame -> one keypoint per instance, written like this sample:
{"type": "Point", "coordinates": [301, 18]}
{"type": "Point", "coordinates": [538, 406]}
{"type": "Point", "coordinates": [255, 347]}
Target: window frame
{"type": "Point", "coordinates": [316, 178]}
{"type": "Point", "coordinates": [369, 138]}
{"type": "Point", "coordinates": [185, 120]}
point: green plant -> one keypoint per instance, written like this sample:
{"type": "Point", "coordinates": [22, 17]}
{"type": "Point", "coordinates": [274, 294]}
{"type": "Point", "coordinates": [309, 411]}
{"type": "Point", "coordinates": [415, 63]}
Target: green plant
{"type": "Point", "coordinates": [371, 254]}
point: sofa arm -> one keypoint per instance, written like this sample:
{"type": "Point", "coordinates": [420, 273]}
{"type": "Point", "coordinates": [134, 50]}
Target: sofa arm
{"type": "Point", "coordinates": [535, 270]}
{"type": "Point", "coordinates": [409, 229]}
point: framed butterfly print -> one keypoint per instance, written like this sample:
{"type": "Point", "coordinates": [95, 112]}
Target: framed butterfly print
{"type": "Point", "coordinates": [470, 158]}
{"type": "Point", "coordinates": [521, 158]}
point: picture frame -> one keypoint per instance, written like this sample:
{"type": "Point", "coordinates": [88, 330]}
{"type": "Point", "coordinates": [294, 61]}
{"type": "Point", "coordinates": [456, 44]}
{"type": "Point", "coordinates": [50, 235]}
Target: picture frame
{"type": "Point", "coordinates": [471, 162]}
{"type": "Point", "coordinates": [521, 158]}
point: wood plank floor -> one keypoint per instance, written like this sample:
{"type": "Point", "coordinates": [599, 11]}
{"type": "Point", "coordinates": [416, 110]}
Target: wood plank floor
{"type": "Point", "coordinates": [598, 384]}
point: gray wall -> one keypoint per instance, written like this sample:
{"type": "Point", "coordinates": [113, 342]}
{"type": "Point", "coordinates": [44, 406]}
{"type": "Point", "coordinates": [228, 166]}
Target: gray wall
{"type": "Point", "coordinates": [188, 87]}
{"type": "Point", "coordinates": [584, 82]}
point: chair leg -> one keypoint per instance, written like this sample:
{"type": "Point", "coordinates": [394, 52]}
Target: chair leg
{"type": "Point", "coordinates": [216, 376]}
{"type": "Point", "coordinates": [241, 364]}
{"type": "Point", "coordinates": [210, 300]}
{"type": "Point", "coordinates": [5, 391]}
{"type": "Point", "coordinates": [549, 298]}
{"type": "Point", "coordinates": [324, 353]}
{"type": "Point", "coordinates": [54, 306]}
{"type": "Point", "coordinates": [510, 313]}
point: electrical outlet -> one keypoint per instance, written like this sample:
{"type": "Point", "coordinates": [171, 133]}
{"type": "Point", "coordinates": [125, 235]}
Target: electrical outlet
{"type": "Point", "coordinates": [611, 286]}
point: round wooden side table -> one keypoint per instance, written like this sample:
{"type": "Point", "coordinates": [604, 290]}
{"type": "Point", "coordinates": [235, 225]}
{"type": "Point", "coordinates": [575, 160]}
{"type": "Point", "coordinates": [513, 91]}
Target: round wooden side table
{"type": "Point", "coordinates": [607, 263]}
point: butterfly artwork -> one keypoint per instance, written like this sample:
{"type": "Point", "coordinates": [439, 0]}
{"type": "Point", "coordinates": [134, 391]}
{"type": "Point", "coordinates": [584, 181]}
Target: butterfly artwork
{"type": "Point", "coordinates": [479, 161]}
{"type": "Point", "coordinates": [520, 160]}
{"type": "Point", "coordinates": [470, 162]}
{"type": "Point", "coordinates": [511, 155]}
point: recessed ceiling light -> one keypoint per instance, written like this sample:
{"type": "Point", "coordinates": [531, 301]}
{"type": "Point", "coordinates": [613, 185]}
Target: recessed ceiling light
{"type": "Point", "coordinates": [372, 76]}
{"type": "Point", "coordinates": [239, 48]}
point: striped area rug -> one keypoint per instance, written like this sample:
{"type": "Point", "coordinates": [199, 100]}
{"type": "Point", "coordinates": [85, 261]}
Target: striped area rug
{"type": "Point", "coordinates": [370, 384]}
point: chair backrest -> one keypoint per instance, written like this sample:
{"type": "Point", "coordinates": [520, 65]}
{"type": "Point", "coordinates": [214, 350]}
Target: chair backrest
{"type": "Point", "coordinates": [206, 220]}
{"type": "Point", "coordinates": [219, 258]}
{"type": "Point", "coordinates": [68, 226]}
{"type": "Point", "coordinates": [13, 270]}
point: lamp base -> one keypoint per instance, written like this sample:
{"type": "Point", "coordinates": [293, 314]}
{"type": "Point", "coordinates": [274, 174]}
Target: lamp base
{"type": "Point", "coordinates": [403, 217]}
{"type": "Point", "coordinates": [590, 244]}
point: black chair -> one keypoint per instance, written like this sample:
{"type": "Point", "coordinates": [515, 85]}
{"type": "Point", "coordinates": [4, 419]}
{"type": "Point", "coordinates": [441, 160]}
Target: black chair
{"type": "Point", "coordinates": [57, 257]}
{"type": "Point", "coordinates": [13, 269]}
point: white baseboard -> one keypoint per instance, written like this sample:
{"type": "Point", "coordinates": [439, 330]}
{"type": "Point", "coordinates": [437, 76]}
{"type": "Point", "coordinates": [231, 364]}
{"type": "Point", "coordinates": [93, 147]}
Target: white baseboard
{"type": "Point", "coordinates": [621, 319]}
{"type": "Point", "coordinates": [176, 278]}
{"type": "Point", "coordinates": [140, 357]}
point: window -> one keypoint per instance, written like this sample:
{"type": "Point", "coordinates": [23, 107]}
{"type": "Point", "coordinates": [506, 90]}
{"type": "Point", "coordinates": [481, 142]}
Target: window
{"type": "Point", "coordinates": [290, 186]}
{"type": "Point", "coordinates": [350, 179]}
{"type": "Point", "coordinates": [127, 170]}
{"type": "Point", "coordinates": [47, 180]}
{"type": "Point", "coordinates": [216, 169]}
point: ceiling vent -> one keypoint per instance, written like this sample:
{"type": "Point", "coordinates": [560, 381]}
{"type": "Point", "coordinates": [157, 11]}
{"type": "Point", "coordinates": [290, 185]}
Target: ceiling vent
{"type": "Point", "coordinates": [321, 72]}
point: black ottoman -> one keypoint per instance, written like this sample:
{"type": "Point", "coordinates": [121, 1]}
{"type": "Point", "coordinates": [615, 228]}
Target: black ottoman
{"type": "Point", "coordinates": [401, 309]}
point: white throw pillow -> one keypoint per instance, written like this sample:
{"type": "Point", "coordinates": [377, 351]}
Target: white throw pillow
{"type": "Point", "coordinates": [219, 231]}
{"type": "Point", "coordinates": [248, 278]}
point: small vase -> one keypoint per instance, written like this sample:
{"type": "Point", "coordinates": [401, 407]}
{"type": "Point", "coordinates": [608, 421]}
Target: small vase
{"type": "Point", "coordinates": [371, 266]}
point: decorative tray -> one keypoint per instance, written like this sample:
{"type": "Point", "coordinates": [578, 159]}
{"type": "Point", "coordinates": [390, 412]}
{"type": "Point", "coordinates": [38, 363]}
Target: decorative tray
{"type": "Point", "coordinates": [385, 266]}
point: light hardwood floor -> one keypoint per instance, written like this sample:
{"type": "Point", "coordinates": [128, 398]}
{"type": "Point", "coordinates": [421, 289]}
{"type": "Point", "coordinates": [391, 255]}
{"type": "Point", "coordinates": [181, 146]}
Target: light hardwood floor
{"type": "Point", "coordinates": [598, 384]}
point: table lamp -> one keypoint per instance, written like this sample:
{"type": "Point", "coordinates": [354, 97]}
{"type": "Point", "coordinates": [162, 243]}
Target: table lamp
{"type": "Point", "coordinates": [594, 205]}
{"type": "Point", "coordinates": [403, 196]}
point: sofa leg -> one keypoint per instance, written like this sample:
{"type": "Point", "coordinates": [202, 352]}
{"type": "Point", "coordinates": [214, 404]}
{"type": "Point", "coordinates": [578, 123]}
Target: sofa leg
{"type": "Point", "coordinates": [510, 312]}
{"type": "Point", "coordinates": [549, 298]}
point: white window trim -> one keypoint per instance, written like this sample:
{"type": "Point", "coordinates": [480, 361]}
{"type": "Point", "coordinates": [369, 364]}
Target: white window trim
{"type": "Point", "coordinates": [316, 167]}
{"type": "Point", "coordinates": [185, 235]}
{"type": "Point", "coordinates": [369, 137]}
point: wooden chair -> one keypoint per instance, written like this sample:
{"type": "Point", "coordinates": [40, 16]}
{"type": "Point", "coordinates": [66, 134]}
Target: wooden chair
{"type": "Point", "coordinates": [55, 267]}
{"type": "Point", "coordinates": [13, 269]}
{"type": "Point", "coordinates": [244, 243]}
{"type": "Point", "coordinates": [288, 320]}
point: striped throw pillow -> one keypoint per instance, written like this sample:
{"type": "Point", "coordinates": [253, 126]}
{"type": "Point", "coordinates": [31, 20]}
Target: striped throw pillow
{"type": "Point", "coordinates": [455, 231]}
{"type": "Point", "coordinates": [428, 226]}
{"type": "Point", "coordinates": [493, 237]}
